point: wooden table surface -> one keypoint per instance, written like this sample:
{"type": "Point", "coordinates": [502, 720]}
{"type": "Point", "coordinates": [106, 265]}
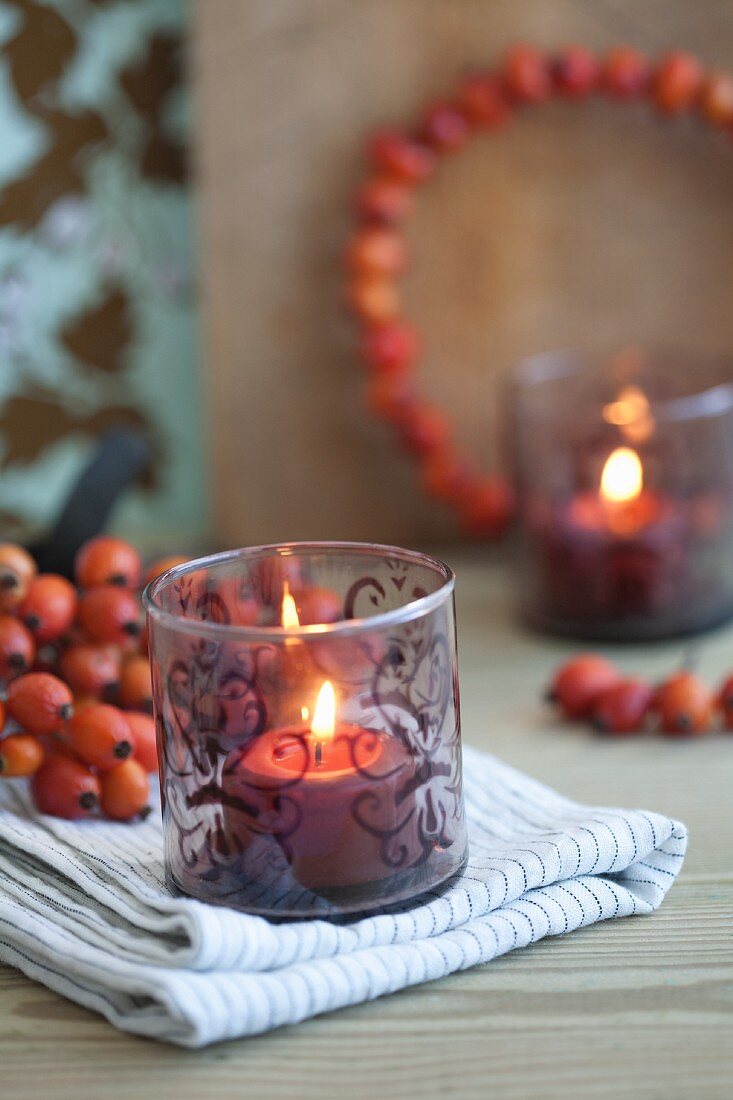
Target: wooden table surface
{"type": "Point", "coordinates": [634, 1008]}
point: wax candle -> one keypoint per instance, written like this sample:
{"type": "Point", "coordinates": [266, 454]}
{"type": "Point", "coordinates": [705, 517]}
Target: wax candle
{"type": "Point", "coordinates": [616, 554]}
{"type": "Point", "coordinates": [622, 507]}
{"type": "Point", "coordinates": [330, 793]}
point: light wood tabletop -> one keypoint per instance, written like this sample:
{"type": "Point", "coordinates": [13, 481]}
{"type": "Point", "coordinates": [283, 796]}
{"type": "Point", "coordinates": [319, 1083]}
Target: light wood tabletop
{"type": "Point", "coordinates": [637, 1008]}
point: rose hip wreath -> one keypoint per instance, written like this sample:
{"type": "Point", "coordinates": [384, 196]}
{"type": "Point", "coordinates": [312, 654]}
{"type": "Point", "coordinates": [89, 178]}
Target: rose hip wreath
{"type": "Point", "coordinates": [402, 161]}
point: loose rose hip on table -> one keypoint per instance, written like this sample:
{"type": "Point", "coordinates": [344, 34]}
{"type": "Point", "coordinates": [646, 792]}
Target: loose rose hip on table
{"type": "Point", "coordinates": [623, 707]}
{"type": "Point", "coordinates": [579, 682]}
{"type": "Point", "coordinates": [684, 705]}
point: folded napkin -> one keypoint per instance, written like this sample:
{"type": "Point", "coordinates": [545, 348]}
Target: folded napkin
{"type": "Point", "coordinates": [84, 909]}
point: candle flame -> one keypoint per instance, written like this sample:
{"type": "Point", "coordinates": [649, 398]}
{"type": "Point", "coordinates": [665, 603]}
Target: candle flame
{"type": "Point", "coordinates": [290, 618]}
{"type": "Point", "coordinates": [623, 476]}
{"type": "Point", "coordinates": [630, 412]}
{"type": "Point", "coordinates": [324, 716]}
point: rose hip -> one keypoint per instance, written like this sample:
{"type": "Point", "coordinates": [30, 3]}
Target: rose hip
{"type": "Point", "coordinates": [17, 569]}
{"type": "Point", "coordinates": [684, 705]}
{"type": "Point", "coordinates": [39, 702]}
{"type": "Point", "coordinates": [318, 605]}
{"type": "Point", "coordinates": [136, 689]}
{"type": "Point", "coordinates": [576, 72]}
{"type": "Point", "coordinates": [109, 615]}
{"type": "Point", "coordinates": [17, 648]}
{"type": "Point", "coordinates": [162, 565]}
{"type": "Point", "coordinates": [487, 508]}
{"type": "Point", "coordinates": [49, 607]}
{"type": "Point", "coordinates": [623, 707]}
{"type": "Point", "coordinates": [400, 155]}
{"type": "Point", "coordinates": [21, 754]}
{"type": "Point", "coordinates": [144, 736]}
{"type": "Point", "coordinates": [100, 735]}
{"type": "Point", "coordinates": [125, 791]}
{"type": "Point", "coordinates": [65, 788]}
{"type": "Point", "coordinates": [91, 670]}
{"type": "Point", "coordinates": [579, 682]}
{"type": "Point", "coordinates": [107, 560]}
{"type": "Point", "coordinates": [725, 699]}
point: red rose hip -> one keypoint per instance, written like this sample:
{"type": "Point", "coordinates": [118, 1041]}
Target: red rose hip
{"type": "Point", "coordinates": [684, 705]}
{"type": "Point", "coordinates": [21, 754]}
{"type": "Point", "coordinates": [101, 735]}
{"type": "Point", "coordinates": [527, 75]}
{"type": "Point", "coordinates": [92, 670]}
{"type": "Point", "coordinates": [677, 82]}
{"type": "Point", "coordinates": [144, 736]}
{"type": "Point", "coordinates": [17, 569]}
{"type": "Point", "coordinates": [482, 100]}
{"type": "Point", "coordinates": [625, 73]}
{"type": "Point", "coordinates": [109, 615]}
{"type": "Point", "coordinates": [725, 700]}
{"type": "Point", "coordinates": [384, 200]}
{"type": "Point", "coordinates": [400, 155]}
{"type": "Point", "coordinates": [49, 607]}
{"type": "Point", "coordinates": [17, 648]}
{"type": "Point", "coordinates": [392, 347]}
{"type": "Point", "coordinates": [623, 707]}
{"type": "Point", "coordinates": [136, 689]}
{"type": "Point", "coordinates": [107, 560]}
{"type": "Point", "coordinates": [65, 788]}
{"type": "Point", "coordinates": [576, 72]}
{"type": "Point", "coordinates": [579, 682]}
{"type": "Point", "coordinates": [125, 791]}
{"type": "Point", "coordinates": [39, 702]}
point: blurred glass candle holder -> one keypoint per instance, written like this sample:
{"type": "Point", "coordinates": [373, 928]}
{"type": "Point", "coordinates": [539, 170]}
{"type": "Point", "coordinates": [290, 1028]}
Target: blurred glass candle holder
{"type": "Point", "coordinates": [308, 767]}
{"type": "Point", "coordinates": [623, 469]}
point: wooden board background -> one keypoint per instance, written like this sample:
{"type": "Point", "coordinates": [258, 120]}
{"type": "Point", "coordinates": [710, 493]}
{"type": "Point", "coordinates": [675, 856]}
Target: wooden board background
{"type": "Point", "coordinates": [591, 226]}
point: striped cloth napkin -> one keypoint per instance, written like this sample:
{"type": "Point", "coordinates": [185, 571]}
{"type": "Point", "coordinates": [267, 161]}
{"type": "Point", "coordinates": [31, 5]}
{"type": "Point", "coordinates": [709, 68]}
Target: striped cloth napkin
{"type": "Point", "coordinates": [84, 909]}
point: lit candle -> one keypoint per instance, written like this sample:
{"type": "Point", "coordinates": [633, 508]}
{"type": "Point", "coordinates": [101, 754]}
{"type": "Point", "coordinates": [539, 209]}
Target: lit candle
{"type": "Point", "coordinates": [329, 793]}
{"type": "Point", "coordinates": [613, 553]}
{"type": "Point", "coordinates": [622, 506]}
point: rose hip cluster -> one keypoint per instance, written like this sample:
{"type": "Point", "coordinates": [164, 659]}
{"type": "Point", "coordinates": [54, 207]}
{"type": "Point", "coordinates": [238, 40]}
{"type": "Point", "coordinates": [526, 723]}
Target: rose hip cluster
{"type": "Point", "coordinates": [76, 701]}
{"type": "Point", "coordinates": [591, 688]}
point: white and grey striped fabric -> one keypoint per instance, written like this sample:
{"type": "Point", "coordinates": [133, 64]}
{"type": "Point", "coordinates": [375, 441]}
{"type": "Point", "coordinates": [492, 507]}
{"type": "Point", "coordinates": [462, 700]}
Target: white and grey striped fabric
{"type": "Point", "coordinates": [84, 910]}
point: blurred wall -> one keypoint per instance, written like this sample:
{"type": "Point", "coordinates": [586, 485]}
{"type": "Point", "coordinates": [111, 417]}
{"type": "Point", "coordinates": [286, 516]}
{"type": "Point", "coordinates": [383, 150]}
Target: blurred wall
{"type": "Point", "coordinates": [97, 315]}
{"type": "Point", "coordinates": [593, 226]}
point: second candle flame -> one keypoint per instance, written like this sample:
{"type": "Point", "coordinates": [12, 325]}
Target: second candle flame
{"type": "Point", "coordinates": [623, 477]}
{"type": "Point", "coordinates": [289, 613]}
{"type": "Point", "coordinates": [324, 716]}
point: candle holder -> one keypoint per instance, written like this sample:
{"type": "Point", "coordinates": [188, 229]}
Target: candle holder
{"type": "Point", "coordinates": [306, 701]}
{"type": "Point", "coordinates": [623, 469]}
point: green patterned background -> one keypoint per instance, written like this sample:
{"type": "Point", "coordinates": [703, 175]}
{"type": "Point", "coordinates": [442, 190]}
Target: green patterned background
{"type": "Point", "coordinates": [97, 305]}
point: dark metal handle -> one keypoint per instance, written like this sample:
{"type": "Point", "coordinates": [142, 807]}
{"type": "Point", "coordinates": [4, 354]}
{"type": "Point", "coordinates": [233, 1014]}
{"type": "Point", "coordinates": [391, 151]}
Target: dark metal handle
{"type": "Point", "coordinates": [121, 457]}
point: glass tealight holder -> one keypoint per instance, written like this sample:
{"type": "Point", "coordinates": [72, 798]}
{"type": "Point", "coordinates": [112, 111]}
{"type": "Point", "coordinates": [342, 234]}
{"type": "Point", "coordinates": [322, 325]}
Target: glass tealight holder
{"type": "Point", "coordinates": [306, 702]}
{"type": "Point", "coordinates": [623, 470]}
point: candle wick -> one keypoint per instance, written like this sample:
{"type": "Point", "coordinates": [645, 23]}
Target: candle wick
{"type": "Point", "coordinates": [318, 752]}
